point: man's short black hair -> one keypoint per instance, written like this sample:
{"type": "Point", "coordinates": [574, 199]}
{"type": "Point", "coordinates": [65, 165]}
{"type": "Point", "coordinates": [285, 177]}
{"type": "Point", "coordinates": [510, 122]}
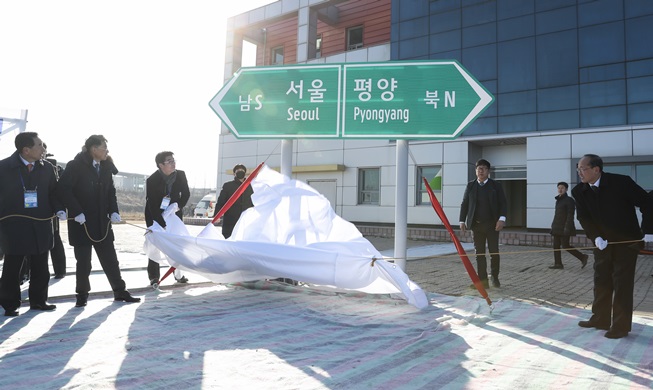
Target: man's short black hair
{"type": "Point", "coordinates": [161, 157]}
{"type": "Point", "coordinates": [94, 140]}
{"type": "Point", "coordinates": [240, 166]}
{"type": "Point", "coordinates": [483, 162]}
{"type": "Point", "coordinates": [563, 183]}
{"type": "Point", "coordinates": [25, 140]}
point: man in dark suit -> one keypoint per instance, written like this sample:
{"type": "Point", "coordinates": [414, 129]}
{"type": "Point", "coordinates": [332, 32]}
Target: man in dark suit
{"type": "Point", "coordinates": [86, 188]}
{"type": "Point", "coordinates": [483, 210]}
{"type": "Point", "coordinates": [166, 187]}
{"type": "Point", "coordinates": [606, 205]}
{"type": "Point", "coordinates": [562, 228]}
{"type": "Point", "coordinates": [242, 203]}
{"type": "Point", "coordinates": [27, 205]}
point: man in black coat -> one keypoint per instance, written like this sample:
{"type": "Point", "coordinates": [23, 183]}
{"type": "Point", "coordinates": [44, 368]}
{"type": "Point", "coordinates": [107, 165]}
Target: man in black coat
{"type": "Point", "coordinates": [483, 210]}
{"type": "Point", "coordinates": [86, 188]}
{"type": "Point", "coordinates": [27, 205]}
{"type": "Point", "coordinates": [242, 203]}
{"type": "Point", "coordinates": [563, 227]}
{"type": "Point", "coordinates": [166, 187]}
{"type": "Point", "coordinates": [606, 205]}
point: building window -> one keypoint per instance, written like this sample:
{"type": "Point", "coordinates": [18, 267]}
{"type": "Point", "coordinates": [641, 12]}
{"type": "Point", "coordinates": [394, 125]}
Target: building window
{"type": "Point", "coordinates": [433, 175]}
{"type": "Point", "coordinates": [641, 173]}
{"type": "Point", "coordinates": [368, 186]}
{"type": "Point", "coordinates": [318, 46]}
{"type": "Point", "coordinates": [354, 38]}
{"type": "Point", "coordinates": [276, 56]}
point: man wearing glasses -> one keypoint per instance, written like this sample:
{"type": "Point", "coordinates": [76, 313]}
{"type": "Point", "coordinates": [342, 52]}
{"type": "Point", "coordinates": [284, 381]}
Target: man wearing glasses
{"type": "Point", "coordinates": [166, 188]}
{"type": "Point", "coordinates": [86, 189]}
{"type": "Point", "coordinates": [605, 204]}
{"type": "Point", "coordinates": [483, 210]}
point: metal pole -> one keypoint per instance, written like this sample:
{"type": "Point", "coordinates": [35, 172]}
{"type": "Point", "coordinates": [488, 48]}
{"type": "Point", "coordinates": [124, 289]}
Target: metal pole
{"type": "Point", "coordinates": [401, 204]}
{"type": "Point", "coordinates": [286, 157]}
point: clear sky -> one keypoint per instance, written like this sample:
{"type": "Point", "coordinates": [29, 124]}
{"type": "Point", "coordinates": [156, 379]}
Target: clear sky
{"type": "Point", "coordinates": [140, 72]}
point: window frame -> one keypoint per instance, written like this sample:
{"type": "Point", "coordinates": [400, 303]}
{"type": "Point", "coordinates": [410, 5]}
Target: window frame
{"type": "Point", "coordinates": [273, 55]}
{"type": "Point", "coordinates": [357, 45]}
{"type": "Point", "coordinates": [364, 193]}
{"type": "Point", "coordinates": [421, 195]}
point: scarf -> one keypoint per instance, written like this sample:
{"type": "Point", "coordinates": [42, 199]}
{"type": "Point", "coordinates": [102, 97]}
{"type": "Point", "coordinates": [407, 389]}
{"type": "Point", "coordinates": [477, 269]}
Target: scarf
{"type": "Point", "coordinates": [169, 180]}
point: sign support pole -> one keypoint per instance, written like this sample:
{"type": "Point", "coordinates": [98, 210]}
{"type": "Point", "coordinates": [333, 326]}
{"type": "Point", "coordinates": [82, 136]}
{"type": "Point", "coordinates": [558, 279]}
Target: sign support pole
{"type": "Point", "coordinates": [286, 157]}
{"type": "Point", "coordinates": [401, 204]}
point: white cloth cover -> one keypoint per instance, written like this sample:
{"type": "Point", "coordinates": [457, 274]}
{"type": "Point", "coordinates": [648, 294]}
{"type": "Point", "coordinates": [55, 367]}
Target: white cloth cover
{"type": "Point", "coordinates": [291, 232]}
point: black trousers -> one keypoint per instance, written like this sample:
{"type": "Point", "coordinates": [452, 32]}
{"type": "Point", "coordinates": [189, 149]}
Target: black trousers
{"type": "Point", "coordinates": [57, 253]}
{"type": "Point", "coordinates": [485, 233]}
{"type": "Point", "coordinates": [153, 270]}
{"type": "Point", "coordinates": [563, 241]}
{"type": "Point", "coordinates": [106, 253]}
{"type": "Point", "coordinates": [614, 281]}
{"type": "Point", "coordinates": [10, 284]}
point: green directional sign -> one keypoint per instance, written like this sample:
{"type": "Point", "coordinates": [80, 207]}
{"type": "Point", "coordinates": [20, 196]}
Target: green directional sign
{"type": "Point", "coordinates": [388, 100]}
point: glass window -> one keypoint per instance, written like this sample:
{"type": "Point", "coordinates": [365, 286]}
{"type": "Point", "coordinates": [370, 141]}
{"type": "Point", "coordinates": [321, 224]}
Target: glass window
{"type": "Point", "coordinates": [604, 93]}
{"type": "Point", "coordinates": [433, 175]}
{"type": "Point", "coordinates": [641, 173]}
{"type": "Point", "coordinates": [369, 186]}
{"type": "Point", "coordinates": [276, 56]}
{"type": "Point", "coordinates": [523, 26]}
{"type": "Point", "coordinates": [644, 176]}
{"type": "Point", "coordinates": [517, 65]}
{"type": "Point", "coordinates": [603, 116]}
{"type": "Point", "coordinates": [318, 46]}
{"type": "Point", "coordinates": [557, 59]}
{"type": "Point", "coordinates": [602, 44]}
{"type": "Point", "coordinates": [354, 38]}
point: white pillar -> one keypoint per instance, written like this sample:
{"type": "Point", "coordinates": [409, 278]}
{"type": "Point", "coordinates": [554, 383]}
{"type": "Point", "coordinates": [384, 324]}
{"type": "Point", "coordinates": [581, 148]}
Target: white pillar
{"type": "Point", "coordinates": [286, 157]}
{"type": "Point", "coordinates": [401, 204]}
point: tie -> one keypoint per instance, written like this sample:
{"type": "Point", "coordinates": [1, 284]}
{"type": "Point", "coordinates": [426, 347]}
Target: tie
{"type": "Point", "coordinates": [595, 189]}
{"type": "Point", "coordinates": [29, 167]}
{"type": "Point", "coordinates": [97, 169]}
{"type": "Point", "coordinates": [481, 183]}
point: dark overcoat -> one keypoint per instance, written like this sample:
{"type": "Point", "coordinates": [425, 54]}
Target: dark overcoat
{"type": "Point", "coordinates": [563, 218]}
{"type": "Point", "coordinates": [20, 235]}
{"type": "Point", "coordinates": [610, 214]}
{"type": "Point", "coordinates": [244, 202]}
{"type": "Point", "coordinates": [82, 191]}
{"type": "Point", "coordinates": [498, 203]}
{"type": "Point", "coordinates": [156, 191]}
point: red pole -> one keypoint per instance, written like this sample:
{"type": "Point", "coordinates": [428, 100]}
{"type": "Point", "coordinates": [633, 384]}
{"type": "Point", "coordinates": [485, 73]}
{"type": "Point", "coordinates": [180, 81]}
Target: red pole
{"type": "Point", "coordinates": [463, 255]}
{"type": "Point", "coordinates": [232, 199]}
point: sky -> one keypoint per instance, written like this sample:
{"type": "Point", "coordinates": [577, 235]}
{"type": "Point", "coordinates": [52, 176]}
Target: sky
{"type": "Point", "coordinates": [139, 72]}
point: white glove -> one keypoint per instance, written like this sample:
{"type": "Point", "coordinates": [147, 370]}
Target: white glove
{"type": "Point", "coordinates": [81, 219]}
{"type": "Point", "coordinates": [172, 208]}
{"type": "Point", "coordinates": [600, 243]}
{"type": "Point", "coordinates": [115, 217]}
{"type": "Point", "coordinates": [62, 215]}
{"type": "Point", "coordinates": [648, 237]}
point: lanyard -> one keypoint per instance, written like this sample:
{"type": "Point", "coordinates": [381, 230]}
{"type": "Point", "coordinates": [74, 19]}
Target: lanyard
{"type": "Point", "coordinates": [23, 181]}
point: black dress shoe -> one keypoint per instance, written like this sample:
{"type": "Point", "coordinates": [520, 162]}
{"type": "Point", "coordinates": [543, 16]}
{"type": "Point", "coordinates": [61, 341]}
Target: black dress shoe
{"type": "Point", "coordinates": [11, 313]}
{"type": "Point", "coordinates": [615, 334]}
{"type": "Point", "coordinates": [42, 306]}
{"type": "Point", "coordinates": [81, 300]}
{"type": "Point", "coordinates": [557, 266]}
{"type": "Point", "coordinates": [592, 324]}
{"type": "Point", "coordinates": [125, 296]}
{"type": "Point", "coordinates": [495, 282]}
{"type": "Point", "coordinates": [583, 261]}
{"type": "Point", "coordinates": [59, 276]}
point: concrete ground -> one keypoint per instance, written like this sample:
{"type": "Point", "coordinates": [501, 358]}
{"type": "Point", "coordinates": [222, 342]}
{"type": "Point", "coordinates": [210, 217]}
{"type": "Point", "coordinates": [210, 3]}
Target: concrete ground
{"type": "Point", "coordinates": [436, 267]}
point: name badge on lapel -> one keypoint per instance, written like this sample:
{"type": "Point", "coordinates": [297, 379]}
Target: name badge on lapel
{"type": "Point", "coordinates": [165, 202]}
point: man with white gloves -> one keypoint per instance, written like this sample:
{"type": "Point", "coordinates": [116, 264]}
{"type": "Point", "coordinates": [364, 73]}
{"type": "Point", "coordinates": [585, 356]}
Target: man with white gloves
{"type": "Point", "coordinates": [606, 205]}
{"type": "Point", "coordinates": [86, 189]}
{"type": "Point", "coordinates": [166, 188]}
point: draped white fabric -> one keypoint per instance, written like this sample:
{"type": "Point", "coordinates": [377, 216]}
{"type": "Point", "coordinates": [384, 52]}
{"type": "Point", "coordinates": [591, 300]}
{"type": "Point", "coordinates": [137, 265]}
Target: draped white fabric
{"type": "Point", "coordinates": [291, 232]}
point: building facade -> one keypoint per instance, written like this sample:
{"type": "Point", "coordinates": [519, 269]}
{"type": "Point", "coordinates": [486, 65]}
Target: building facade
{"type": "Point", "coordinates": [569, 77]}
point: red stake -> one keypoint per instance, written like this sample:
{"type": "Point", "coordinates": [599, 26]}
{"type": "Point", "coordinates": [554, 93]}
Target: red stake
{"type": "Point", "coordinates": [463, 255]}
{"type": "Point", "coordinates": [232, 199]}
